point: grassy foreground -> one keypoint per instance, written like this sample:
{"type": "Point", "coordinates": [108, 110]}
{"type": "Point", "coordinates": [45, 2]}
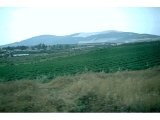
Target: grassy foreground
{"type": "Point", "coordinates": [127, 91]}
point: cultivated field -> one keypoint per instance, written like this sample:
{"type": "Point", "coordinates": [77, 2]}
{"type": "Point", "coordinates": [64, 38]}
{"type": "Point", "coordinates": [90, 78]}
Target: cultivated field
{"type": "Point", "coordinates": [103, 78]}
{"type": "Point", "coordinates": [108, 59]}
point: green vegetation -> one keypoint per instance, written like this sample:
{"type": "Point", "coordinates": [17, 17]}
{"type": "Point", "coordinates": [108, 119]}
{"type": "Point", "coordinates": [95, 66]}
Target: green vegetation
{"type": "Point", "coordinates": [127, 91]}
{"type": "Point", "coordinates": [135, 56]}
{"type": "Point", "coordinates": [81, 78]}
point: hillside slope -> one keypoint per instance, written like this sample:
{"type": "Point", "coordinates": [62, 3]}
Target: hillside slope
{"type": "Point", "coordinates": [83, 38]}
{"type": "Point", "coordinates": [108, 59]}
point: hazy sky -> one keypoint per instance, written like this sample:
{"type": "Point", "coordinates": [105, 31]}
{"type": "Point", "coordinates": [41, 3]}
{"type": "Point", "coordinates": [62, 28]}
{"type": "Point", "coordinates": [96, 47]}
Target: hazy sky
{"type": "Point", "coordinates": [17, 24]}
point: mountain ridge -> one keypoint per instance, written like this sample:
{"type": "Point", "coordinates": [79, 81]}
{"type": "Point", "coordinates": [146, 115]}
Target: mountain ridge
{"type": "Point", "coordinates": [110, 36]}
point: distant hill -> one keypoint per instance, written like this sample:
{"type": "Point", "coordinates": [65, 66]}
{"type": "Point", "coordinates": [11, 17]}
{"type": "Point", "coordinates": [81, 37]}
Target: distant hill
{"type": "Point", "coordinates": [110, 36]}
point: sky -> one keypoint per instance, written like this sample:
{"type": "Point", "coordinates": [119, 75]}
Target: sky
{"type": "Point", "coordinates": [18, 23]}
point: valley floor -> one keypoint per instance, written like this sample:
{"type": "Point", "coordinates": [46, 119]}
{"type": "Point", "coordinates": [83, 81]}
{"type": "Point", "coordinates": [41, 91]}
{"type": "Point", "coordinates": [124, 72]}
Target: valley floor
{"type": "Point", "coordinates": [127, 91]}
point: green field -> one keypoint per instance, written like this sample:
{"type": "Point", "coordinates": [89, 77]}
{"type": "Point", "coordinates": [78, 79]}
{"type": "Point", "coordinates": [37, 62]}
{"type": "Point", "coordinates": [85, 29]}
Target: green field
{"type": "Point", "coordinates": [104, 78]}
{"type": "Point", "coordinates": [107, 59]}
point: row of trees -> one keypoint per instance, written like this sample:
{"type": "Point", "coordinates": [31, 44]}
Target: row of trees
{"type": "Point", "coordinates": [38, 47]}
{"type": "Point", "coordinates": [14, 48]}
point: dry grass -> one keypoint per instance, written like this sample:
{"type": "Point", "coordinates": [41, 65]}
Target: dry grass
{"type": "Point", "coordinates": [129, 91]}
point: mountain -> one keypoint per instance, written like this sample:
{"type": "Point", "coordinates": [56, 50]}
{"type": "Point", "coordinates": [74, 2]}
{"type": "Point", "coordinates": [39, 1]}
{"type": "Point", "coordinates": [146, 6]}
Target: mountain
{"type": "Point", "coordinates": [109, 36]}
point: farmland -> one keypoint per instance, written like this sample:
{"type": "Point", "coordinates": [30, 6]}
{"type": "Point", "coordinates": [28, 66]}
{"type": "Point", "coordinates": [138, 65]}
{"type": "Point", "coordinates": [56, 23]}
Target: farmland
{"type": "Point", "coordinates": [126, 57]}
{"type": "Point", "coordinates": [101, 78]}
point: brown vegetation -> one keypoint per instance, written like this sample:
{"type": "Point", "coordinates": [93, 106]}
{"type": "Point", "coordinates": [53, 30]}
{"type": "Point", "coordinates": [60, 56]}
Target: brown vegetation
{"type": "Point", "coordinates": [128, 91]}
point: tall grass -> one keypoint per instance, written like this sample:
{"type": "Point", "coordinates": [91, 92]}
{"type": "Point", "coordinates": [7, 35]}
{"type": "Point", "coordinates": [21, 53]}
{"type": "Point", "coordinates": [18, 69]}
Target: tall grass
{"type": "Point", "coordinates": [128, 91]}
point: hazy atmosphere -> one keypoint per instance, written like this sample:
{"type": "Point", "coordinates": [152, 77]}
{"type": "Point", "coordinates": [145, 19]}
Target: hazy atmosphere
{"type": "Point", "coordinates": [80, 59]}
{"type": "Point", "coordinates": [21, 23]}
